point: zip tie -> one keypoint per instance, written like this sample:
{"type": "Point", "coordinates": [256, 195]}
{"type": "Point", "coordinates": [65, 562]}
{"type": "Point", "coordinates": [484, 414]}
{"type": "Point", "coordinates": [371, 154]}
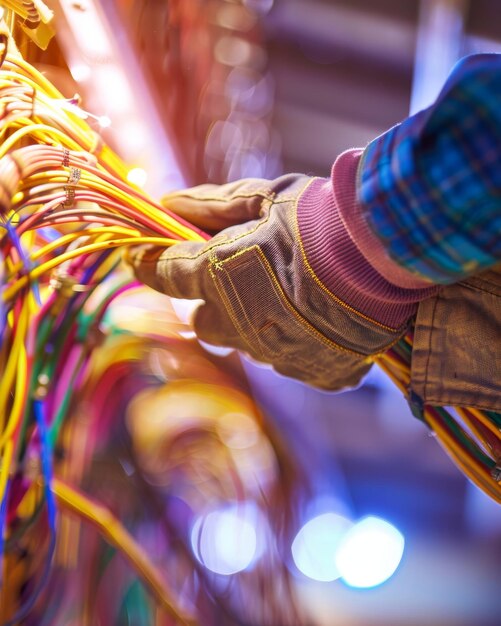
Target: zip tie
{"type": "Point", "coordinates": [66, 157]}
{"type": "Point", "coordinates": [70, 197]}
{"type": "Point", "coordinates": [69, 189]}
{"type": "Point", "coordinates": [67, 285]}
{"type": "Point", "coordinates": [74, 177]}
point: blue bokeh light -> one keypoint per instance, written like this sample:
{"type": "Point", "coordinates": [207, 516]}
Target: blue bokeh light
{"type": "Point", "coordinates": [225, 541]}
{"type": "Point", "coordinates": [369, 553]}
{"type": "Point", "coordinates": [315, 546]}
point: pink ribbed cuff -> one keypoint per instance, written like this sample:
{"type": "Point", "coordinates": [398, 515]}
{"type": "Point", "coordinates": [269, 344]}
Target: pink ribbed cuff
{"type": "Point", "coordinates": [347, 257]}
{"type": "Point", "coordinates": [344, 176]}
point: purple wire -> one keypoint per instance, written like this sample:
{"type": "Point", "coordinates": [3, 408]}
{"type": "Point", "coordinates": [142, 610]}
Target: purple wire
{"type": "Point", "coordinates": [27, 263]}
{"type": "Point", "coordinates": [3, 308]}
{"type": "Point", "coordinates": [3, 517]}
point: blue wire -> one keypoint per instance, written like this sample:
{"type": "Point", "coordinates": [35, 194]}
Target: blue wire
{"type": "Point", "coordinates": [46, 458]}
{"type": "Point", "coordinates": [27, 263]}
{"type": "Point", "coordinates": [3, 517]}
{"type": "Point", "coordinates": [47, 470]}
{"type": "Point", "coordinates": [46, 454]}
{"type": "Point", "coordinates": [48, 233]}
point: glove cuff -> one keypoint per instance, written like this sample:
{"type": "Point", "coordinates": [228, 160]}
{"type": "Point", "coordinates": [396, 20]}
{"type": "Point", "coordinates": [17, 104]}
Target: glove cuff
{"type": "Point", "coordinates": [346, 268]}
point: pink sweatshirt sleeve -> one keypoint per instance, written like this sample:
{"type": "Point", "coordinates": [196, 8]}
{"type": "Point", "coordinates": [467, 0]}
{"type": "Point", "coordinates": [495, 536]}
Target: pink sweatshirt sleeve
{"type": "Point", "coordinates": [345, 254]}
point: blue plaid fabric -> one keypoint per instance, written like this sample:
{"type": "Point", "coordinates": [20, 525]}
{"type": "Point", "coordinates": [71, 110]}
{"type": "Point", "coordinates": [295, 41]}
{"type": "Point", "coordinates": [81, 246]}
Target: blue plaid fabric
{"type": "Point", "coordinates": [430, 187]}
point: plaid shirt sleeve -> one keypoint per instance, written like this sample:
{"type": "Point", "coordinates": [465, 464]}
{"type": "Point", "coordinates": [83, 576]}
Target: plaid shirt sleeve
{"type": "Point", "coordinates": [430, 187]}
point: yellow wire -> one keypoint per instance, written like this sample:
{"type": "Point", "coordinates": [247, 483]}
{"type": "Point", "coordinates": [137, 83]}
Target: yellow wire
{"type": "Point", "coordinates": [35, 273]}
{"type": "Point", "coordinates": [14, 363]}
{"type": "Point", "coordinates": [37, 83]}
{"type": "Point", "coordinates": [4, 471]}
{"type": "Point", "coordinates": [383, 364]}
{"type": "Point", "coordinates": [464, 462]}
{"type": "Point", "coordinates": [70, 237]}
{"type": "Point", "coordinates": [475, 430]}
{"type": "Point", "coordinates": [30, 70]}
{"type": "Point", "coordinates": [151, 211]}
{"type": "Point", "coordinates": [20, 388]}
{"type": "Point", "coordinates": [120, 538]}
{"type": "Point", "coordinates": [33, 129]}
{"type": "Point", "coordinates": [480, 415]}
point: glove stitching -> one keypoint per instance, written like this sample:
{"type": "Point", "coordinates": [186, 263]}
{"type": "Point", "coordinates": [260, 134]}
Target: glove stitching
{"type": "Point", "coordinates": [268, 195]}
{"type": "Point", "coordinates": [263, 193]}
{"type": "Point", "coordinates": [214, 263]}
{"type": "Point", "coordinates": [218, 244]}
{"type": "Point", "coordinates": [308, 327]}
{"type": "Point", "coordinates": [211, 247]}
{"type": "Point", "coordinates": [321, 284]}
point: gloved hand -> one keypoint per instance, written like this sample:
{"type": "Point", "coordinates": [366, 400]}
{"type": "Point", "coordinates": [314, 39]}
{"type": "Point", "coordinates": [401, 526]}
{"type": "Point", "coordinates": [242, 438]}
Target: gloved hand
{"type": "Point", "coordinates": [260, 292]}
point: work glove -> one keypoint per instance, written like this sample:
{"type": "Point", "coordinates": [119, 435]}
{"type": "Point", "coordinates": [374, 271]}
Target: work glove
{"type": "Point", "coordinates": [259, 291]}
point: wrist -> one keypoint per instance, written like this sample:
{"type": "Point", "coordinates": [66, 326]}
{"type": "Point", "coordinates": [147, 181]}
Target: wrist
{"type": "Point", "coordinates": [339, 249]}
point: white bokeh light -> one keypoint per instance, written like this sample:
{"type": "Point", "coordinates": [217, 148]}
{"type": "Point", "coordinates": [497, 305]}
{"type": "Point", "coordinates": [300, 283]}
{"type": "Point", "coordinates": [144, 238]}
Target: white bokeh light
{"type": "Point", "coordinates": [137, 176]}
{"type": "Point", "coordinates": [225, 541]}
{"type": "Point", "coordinates": [314, 547]}
{"type": "Point", "coordinates": [369, 553]}
{"type": "Point", "coordinates": [80, 72]}
{"type": "Point", "coordinates": [104, 121]}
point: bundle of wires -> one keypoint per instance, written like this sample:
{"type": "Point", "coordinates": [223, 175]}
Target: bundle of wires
{"type": "Point", "coordinates": [471, 437]}
{"type": "Point", "coordinates": [66, 212]}
{"type": "Point", "coordinates": [190, 443]}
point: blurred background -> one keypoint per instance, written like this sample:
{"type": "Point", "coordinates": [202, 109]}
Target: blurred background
{"type": "Point", "coordinates": [189, 91]}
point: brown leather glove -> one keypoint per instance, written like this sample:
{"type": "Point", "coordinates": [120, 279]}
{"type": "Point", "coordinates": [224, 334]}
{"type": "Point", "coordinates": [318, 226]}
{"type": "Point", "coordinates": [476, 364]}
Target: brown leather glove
{"type": "Point", "coordinates": [260, 294]}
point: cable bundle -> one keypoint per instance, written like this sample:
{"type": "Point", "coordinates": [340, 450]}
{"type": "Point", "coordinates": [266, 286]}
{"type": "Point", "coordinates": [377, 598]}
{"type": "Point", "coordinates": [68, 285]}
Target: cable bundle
{"type": "Point", "coordinates": [65, 213]}
{"type": "Point", "coordinates": [471, 437]}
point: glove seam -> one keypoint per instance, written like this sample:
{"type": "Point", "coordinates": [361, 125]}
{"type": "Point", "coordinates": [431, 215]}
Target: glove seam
{"type": "Point", "coordinates": [218, 264]}
{"type": "Point", "coordinates": [217, 244]}
{"type": "Point", "coordinates": [213, 246]}
{"type": "Point", "coordinates": [307, 326]}
{"type": "Point", "coordinates": [317, 279]}
{"type": "Point", "coordinates": [213, 265]}
{"type": "Point", "coordinates": [269, 195]}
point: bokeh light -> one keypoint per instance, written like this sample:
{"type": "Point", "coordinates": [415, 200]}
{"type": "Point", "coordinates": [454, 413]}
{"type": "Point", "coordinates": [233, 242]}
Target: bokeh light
{"type": "Point", "coordinates": [137, 176]}
{"type": "Point", "coordinates": [225, 540]}
{"type": "Point", "coordinates": [104, 121]}
{"type": "Point", "coordinates": [80, 72]}
{"type": "Point", "coordinates": [369, 553]}
{"type": "Point", "coordinates": [315, 546]}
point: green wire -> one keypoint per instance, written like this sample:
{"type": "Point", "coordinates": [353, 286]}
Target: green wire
{"type": "Point", "coordinates": [136, 606]}
{"type": "Point", "coordinates": [494, 417]}
{"type": "Point", "coordinates": [464, 438]}
{"type": "Point", "coordinates": [84, 324]}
